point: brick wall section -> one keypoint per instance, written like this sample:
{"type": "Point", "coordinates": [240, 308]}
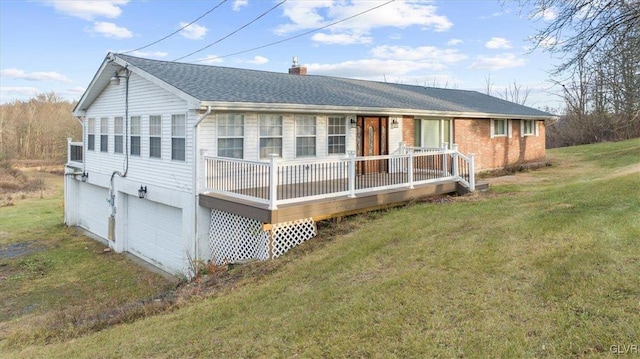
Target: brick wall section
{"type": "Point", "coordinates": [474, 136]}
{"type": "Point", "coordinates": [407, 130]}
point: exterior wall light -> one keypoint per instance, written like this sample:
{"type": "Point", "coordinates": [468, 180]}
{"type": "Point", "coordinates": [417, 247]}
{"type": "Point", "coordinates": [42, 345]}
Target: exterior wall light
{"type": "Point", "coordinates": [142, 192]}
{"type": "Point", "coordinates": [115, 79]}
{"type": "Point", "coordinates": [353, 122]}
{"type": "Point", "coordinates": [394, 123]}
{"type": "Point", "coordinates": [84, 177]}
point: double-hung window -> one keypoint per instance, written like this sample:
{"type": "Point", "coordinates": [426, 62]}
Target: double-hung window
{"type": "Point", "coordinates": [529, 128]}
{"type": "Point", "coordinates": [104, 134]}
{"type": "Point", "coordinates": [432, 133]}
{"type": "Point", "coordinates": [499, 128]}
{"type": "Point", "coordinates": [230, 135]}
{"type": "Point", "coordinates": [270, 135]}
{"type": "Point", "coordinates": [305, 136]}
{"type": "Point", "coordinates": [155, 136]}
{"type": "Point", "coordinates": [91, 134]}
{"type": "Point", "coordinates": [135, 135]}
{"type": "Point", "coordinates": [118, 130]}
{"type": "Point", "coordinates": [178, 137]}
{"type": "Point", "coordinates": [337, 135]}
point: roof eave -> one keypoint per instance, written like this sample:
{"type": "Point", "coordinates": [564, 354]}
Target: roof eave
{"type": "Point", "coordinates": [323, 109]}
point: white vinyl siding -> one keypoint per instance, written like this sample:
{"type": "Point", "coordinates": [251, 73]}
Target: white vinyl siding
{"type": "Point", "coordinates": [337, 135]}
{"type": "Point", "coordinates": [230, 135]}
{"type": "Point", "coordinates": [270, 135]}
{"type": "Point", "coordinates": [118, 130]}
{"type": "Point", "coordinates": [178, 140]}
{"type": "Point", "coordinates": [104, 134]}
{"type": "Point", "coordinates": [155, 136]}
{"type": "Point", "coordinates": [135, 135]}
{"type": "Point", "coordinates": [305, 136]}
{"type": "Point", "coordinates": [91, 134]}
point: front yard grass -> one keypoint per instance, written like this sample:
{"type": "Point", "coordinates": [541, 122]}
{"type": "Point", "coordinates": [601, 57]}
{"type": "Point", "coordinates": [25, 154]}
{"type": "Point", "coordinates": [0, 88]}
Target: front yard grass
{"type": "Point", "coordinates": [544, 266]}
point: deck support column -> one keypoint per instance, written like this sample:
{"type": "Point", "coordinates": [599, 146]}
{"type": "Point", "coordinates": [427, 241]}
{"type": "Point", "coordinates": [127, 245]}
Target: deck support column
{"type": "Point", "coordinates": [273, 181]}
{"type": "Point", "coordinates": [454, 158]}
{"type": "Point", "coordinates": [472, 173]}
{"type": "Point", "coordinates": [444, 159]}
{"type": "Point", "coordinates": [410, 168]}
{"type": "Point", "coordinates": [352, 174]}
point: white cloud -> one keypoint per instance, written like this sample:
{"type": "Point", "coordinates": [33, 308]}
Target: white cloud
{"type": "Point", "coordinates": [33, 76]}
{"type": "Point", "coordinates": [76, 91]}
{"type": "Point", "coordinates": [9, 93]}
{"type": "Point", "coordinates": [155, 55]}
{"type": "Point", "coordinates": [259, 60]}
{"type": "Point", "coordinates": [400, 14]}
{"type": "Point", "coordinates": [548, 42]}
{"type": "Point", "coordinates": [498, 43]}
{"type": "Point", "coordinates": [435, 56]}
{"type": "Point", "coordinates": [499, 62]}
{"type": "Point", "coordinates": [341, 39]}
{"type": "Point", "coordinates": [108, 29]}
{"type": "Point", "coordinates": [546, 14]}
{"type": "Point", "coordinates": [454, 42]}
{"type": "Point", "coordinates": [193, 31]}
{"type": "Point", "coordinates": [238, 4]}
{"type": "Point", "coordinates": [88, 9]}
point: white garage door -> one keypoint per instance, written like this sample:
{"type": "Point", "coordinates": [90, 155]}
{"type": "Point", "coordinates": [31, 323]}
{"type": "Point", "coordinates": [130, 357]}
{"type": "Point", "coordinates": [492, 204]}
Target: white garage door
{"type": "Point", "coordinates": [93, 209]}
{"type": "Point", "coordinates": [155, 233]}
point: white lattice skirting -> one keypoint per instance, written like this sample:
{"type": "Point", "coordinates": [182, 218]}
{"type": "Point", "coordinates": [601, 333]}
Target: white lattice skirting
{"type": "Point", "coordinates": [234, 238]}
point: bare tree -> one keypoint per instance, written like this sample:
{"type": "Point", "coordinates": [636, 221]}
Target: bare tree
{"type": "Point", "coordinates": [515, 93]}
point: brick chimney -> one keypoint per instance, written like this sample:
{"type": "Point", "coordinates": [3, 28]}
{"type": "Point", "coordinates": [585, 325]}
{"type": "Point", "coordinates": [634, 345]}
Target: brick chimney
{"type": "Point", "coordinates": [296, 69]}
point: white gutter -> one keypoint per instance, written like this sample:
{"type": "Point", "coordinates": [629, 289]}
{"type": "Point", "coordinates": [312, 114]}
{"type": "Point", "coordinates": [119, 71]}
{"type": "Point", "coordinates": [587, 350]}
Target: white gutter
{"type": "Point", "coordinates": [196, 177]}
{"type": "Point", "coordinates": [322, 109]}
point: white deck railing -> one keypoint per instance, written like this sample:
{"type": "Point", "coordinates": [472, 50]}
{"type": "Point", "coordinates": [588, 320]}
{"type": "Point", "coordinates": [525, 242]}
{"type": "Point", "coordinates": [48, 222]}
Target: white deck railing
{"type": "Point", "coordinates": [74, 152]}
{"type": "Point", "coordinates": [275, 182]}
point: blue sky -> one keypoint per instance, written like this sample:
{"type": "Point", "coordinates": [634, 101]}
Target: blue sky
{"type": "Point", "coordinates": [57, 45]}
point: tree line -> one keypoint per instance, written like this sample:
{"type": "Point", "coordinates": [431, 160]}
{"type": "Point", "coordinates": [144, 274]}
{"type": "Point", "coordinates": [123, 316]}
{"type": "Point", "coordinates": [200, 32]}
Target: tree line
{"type": "Point", "coordinates": [37, 129]}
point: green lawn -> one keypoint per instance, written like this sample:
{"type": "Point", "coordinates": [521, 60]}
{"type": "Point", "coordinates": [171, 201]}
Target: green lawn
{"type": "Point", "coordinates": [545, 266]}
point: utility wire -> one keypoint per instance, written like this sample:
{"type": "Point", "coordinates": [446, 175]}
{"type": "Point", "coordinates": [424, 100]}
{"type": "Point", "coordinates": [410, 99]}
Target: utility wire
{"type": "Point", "coordinates": [233, 32]}
{"type": "Point", "coordinates": [180, 29]}
{"type": "Point", "coordinates": [299, 35]}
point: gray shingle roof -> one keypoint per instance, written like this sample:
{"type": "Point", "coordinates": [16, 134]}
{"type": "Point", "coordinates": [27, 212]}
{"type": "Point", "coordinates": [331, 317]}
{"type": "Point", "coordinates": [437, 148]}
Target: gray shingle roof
{"type": "Point", "coordinates": [224, 84]}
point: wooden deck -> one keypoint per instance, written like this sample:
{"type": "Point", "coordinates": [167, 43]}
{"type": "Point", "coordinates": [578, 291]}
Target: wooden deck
{"type": "Point", "coordinates": [320, 209]}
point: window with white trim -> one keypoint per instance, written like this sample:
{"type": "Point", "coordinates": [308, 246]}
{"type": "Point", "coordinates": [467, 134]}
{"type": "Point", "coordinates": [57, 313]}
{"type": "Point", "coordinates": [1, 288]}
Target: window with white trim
{"type": "Point", "coordinates": [529, 128]}
{"type": "Point", "coordinates": [270, 135]}
{"type": "Point", "coordinates": [178, 137]}
{"type": "Point", "coordinates": [118, 130]}
{"type": "Point", "coordinates": [155, 136]}
{"type": "Point", "coordinates": [499, 128]}
{"type": "Point", "coordinates": [230, 135]}
{"type": "Point", "coordinates": [135, 135]}
{"type": "Point", "coordinates": [431, 133]}
{"type": "Point", "coordinates": [305, 135]}
{"type": "Point", "coordinates": [91, 134]}
{"type": "Point", "coordinates": [337, 135]}
{"type": "Point", "coordinates": [104, 134]}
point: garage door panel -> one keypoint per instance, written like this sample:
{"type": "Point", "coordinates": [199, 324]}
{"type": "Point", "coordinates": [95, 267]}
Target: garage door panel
{"type": "Point", "coordinates": [93, 209]}
{"type": "Point", "coordinates": [155, 233]}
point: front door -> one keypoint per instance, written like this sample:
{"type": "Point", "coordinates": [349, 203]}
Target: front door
{"type": "Point", "coordinates": [373, 141]}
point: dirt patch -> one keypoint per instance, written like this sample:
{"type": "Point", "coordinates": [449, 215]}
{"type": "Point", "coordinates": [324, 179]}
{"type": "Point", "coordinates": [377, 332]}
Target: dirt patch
{"type": "Point", "coordinates": [15, 250]}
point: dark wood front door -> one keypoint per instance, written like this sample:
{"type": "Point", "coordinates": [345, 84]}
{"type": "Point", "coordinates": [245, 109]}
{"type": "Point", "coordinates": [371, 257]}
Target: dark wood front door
{"type": "Point", "coordinates": [373, 141]}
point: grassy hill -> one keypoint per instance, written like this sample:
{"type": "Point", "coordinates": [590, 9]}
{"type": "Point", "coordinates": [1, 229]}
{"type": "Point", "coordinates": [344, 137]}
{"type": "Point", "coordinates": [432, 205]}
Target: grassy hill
{"type": "Point", "coordinates": [547, 264]}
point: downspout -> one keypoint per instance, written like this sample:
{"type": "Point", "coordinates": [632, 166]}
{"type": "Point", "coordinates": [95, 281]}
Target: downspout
{"type": "Point", "coordinates": [196, 177]}
{"type": "Point", "coordinates": [111, 198]}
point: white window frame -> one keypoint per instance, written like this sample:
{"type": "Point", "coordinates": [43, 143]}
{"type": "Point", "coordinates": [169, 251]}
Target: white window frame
{"type": "Point", "coordinates": [104, 134]}
{"type": "Point", "coordinates": [507, 129]}
{"type": "Point", "coordinates": [155, 133]}
{"type": "Point", "coordinates": [534, 128]}
{"type": "Point", "coordinates": [442, 124]}
{"type": "Point", "coordinates": [332, 134]}
{"type": "Point", "coordinates": [134, 133]}
{"type": "Point", "coordinates": [179, 137]}
{"type": "Point", "coordinates": [230, 130]}
{"type": "Point", "coordinates": [270, 131]}
{"type": "Point", "coordinates": [118, 131]}
{"type": "Point", "coordinates": [91, 134]}
{"type": "Point", "coordinates": [305, 130]}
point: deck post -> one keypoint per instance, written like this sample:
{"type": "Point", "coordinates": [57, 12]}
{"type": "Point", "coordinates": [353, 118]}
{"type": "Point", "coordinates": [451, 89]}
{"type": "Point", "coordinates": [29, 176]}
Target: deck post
{"type": "Point", "coordinates": [444, 159]}
{"type": "Point", "coordinates": [351, 174]}
{"type": "Point", "coordinates": [273, 181]}
{"type": "Point", "coordinates": [68, 149]}
{"type": "Point", "coordinates": [472, 173]}
{"type": "Point", "coordinates": [410, 168]}
{"type": "Point", "coordinates": [454, 158]}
